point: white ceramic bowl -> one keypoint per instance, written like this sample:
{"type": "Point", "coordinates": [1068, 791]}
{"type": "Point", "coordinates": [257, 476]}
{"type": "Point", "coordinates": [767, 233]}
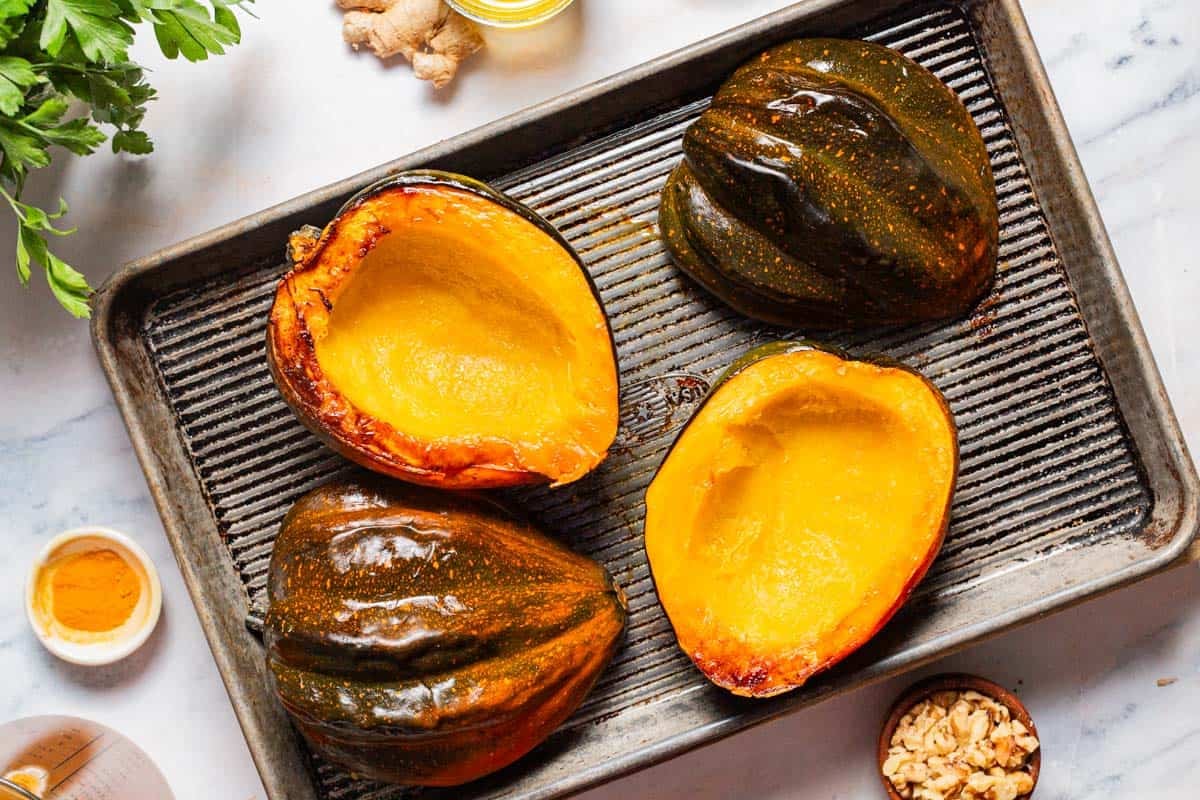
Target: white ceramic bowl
{"type": "Point", "coordinates": [96, 649]}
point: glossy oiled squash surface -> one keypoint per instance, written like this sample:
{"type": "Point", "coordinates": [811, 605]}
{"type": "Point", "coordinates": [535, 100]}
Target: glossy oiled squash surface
{"type": "Point", "coordinates": [438, 334]}
{"type": "Point", "coordinates": [428, 637]}
{"type": "Point", "coordinates": [835, 183]}
{"type": "Point", "coordinates": [796, 512]}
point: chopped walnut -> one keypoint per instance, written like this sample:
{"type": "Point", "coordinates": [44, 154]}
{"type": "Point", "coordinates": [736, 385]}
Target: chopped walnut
{"type": "Point", "coordinates": [960, 746]}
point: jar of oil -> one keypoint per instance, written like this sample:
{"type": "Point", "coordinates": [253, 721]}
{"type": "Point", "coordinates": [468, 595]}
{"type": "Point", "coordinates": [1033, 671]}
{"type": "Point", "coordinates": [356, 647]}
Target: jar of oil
{"type": "Point", "coordinates": [509, 13]}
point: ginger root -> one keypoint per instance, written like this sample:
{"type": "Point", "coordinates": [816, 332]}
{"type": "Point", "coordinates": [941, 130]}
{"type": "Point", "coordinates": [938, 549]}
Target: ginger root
{"type": "Point", "coordinates": [428, 33]}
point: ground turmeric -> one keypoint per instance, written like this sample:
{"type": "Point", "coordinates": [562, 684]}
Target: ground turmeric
{"type": "Point", "coordinates": [95, 591]}
{"type": "Point", "coordinates": [428, 33]}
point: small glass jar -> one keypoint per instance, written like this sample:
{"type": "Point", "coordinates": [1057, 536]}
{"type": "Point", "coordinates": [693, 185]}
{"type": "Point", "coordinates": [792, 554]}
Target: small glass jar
{"type": "Point", "coordinates": [509, 13]}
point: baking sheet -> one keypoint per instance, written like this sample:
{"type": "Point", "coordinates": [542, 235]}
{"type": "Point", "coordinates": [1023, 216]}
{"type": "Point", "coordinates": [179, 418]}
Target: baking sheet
{"type": "Point", "coordinates": [1074, 477]}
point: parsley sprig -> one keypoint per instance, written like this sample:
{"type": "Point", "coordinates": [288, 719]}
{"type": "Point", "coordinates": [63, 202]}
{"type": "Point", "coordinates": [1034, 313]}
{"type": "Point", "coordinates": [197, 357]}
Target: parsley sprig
{"type": "Point", "coordinates": [58, 55]}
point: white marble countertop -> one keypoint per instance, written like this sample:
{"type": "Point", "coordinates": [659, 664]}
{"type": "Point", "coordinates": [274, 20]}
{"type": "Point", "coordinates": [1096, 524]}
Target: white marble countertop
{"type": "Point", "coordinates": [291, 109]}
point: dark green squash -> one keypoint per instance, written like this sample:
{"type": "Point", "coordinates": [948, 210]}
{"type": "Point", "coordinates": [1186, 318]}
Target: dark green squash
{"type": "Point", "coordinates": [835, 183]}
{"type": "Point", "coordinates": [430, 638]}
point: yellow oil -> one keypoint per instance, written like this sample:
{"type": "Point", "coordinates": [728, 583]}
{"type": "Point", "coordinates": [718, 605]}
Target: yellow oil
{"type": "Point", "coordinates": [510, 13]}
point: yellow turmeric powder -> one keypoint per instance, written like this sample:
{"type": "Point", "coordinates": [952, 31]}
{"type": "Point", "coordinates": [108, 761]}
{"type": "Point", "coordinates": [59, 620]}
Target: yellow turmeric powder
{"type": "Point", "coordinates": [94, 591]}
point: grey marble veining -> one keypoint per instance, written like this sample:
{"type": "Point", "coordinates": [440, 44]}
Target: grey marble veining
{"type": "Point", "coordinates": [262, 125]}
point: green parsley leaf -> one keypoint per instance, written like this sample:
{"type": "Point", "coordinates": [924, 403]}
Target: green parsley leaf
{"type": "Point", "coordinates": [21, 150]}
{"type": "Point", "coordinates": [16, 78]}
{"type": "Point", "coordinates": [187, 29]}
{"type": "Point", "coordinates": [223, 15]}
{"type": "Point", "coordinates": [79, 136]}
{"type": "Point", "coordinates": [49, 112]}
{"type": "Point", "coordinates": [14, 8]}
{"type": "Point", "coordinates": [68, 285]}
{"type": "Point", "coordinates": [70, 288]}
{"type": "Point", "coordinates": [23, 271]}
{"type": "Point", "coordinates": [13, 16]}
{"type": "Point", "coordinates": [136, 142]}
{"type": "Point", "coordinates": [39, 220]}
{"type": "Point", "coordinates": [59, 54]}
{"type": "Point", "coordinates": [96, 24]}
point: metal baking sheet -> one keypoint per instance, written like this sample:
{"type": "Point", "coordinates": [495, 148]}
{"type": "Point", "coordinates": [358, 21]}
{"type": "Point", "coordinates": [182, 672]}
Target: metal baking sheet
{"type": "Point", "coordinates": [1075, 478]}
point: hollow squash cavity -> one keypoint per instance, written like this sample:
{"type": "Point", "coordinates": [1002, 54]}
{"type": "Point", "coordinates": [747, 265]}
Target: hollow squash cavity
{"type": "Point", "coordinates": [440, 333]}
{"type": "Point", "coordinates": [435, 336]}
{"type": "Point", "coordinates": [796, 512]}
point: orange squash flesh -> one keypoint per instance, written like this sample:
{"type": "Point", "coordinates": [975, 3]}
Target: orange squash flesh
{"type": "Point", "coordinates": [795, 514]}
{"type": "Point", "coordinates": [437, 335]}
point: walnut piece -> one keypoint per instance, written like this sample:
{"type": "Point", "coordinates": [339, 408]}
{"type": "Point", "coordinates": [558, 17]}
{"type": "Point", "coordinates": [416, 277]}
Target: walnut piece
{"type": "Point", "coordinates": [960, 746]}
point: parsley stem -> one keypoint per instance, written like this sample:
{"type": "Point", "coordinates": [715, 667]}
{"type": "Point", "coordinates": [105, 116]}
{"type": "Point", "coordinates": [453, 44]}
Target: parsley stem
{"type": "Point", "coordinates": [13, 203]}
{"type": "Point", "coordinates": [46, 65]}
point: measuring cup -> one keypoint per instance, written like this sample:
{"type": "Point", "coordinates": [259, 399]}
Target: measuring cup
{"type": "Point", "coordinates": [68, 758]}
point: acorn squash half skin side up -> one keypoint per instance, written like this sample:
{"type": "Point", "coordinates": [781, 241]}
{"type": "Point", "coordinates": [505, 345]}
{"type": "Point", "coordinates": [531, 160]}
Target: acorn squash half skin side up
{"type": "Point", "coordinates": [835, 184]}
{"type": "Point", "coordinates": [427, 637]}
{"type": "Point", "coordinates": [439, 332]}
{"type": "Point", "coordinates": [797, 511]}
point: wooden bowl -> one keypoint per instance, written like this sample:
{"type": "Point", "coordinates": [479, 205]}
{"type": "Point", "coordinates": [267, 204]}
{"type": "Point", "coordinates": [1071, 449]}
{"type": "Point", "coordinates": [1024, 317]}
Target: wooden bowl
{"type": "Point", "coordinates": [955, 682]}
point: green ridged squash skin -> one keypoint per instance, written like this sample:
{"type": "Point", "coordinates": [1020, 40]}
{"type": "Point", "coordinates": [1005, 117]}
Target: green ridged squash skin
{"type": "Point", "coordinates": [835, 184]}
{"type": "Point", "coordinates": [426, 637]}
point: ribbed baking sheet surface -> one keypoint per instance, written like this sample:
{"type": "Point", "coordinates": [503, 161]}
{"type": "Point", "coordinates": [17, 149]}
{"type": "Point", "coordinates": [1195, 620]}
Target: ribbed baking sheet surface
{"type": "Point", "coordinates": [1045, 462]}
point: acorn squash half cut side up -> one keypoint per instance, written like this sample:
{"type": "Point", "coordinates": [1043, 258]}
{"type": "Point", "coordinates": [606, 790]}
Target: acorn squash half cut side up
{"type": "Point", "coordinates": [796, 512]}
{"type": "Point", "coordinates": [441, 333]}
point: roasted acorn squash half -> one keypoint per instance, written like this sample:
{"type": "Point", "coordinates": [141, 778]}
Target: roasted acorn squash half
{"type": "Point", "coordinates": [797, 511]}
{"type": "Point", "coordinates": [835, 183]}
{"type": "Point", "coordinates": [426, 637]}
{"type": "Point", "coordinates": [439, 332]}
